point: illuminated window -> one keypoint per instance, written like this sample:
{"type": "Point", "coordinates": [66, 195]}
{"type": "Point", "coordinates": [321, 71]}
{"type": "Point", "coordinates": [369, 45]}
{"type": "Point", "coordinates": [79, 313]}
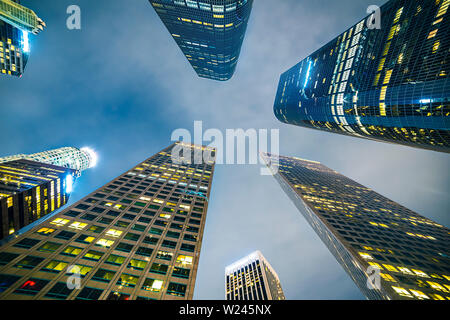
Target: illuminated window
{"type": "Point", "coordinates": [402, 292]}
{"type": "Point", "coordinates": [78, 225]}
{"type": "Point", "coordinates": [185, 259]}
{"type": "Point", "coordinates": [152, 285]}
{"type": "Point", "coordinates": [114, 233]}
{"type": "Point", "coordinates": [55, 266]}
{"type": "Point", "coordinates": [365, 256]}
{"type": "Point", "coordinates": [59, 222]}
{"type": "Point", "coordinates": [45, 231]}
{"type": "Point", "coordinates": [105, 243]}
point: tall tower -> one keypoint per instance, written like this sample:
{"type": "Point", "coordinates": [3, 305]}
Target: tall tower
{"type": "Point", "coordinates": [35, 185]}
{"type": "Point", "coordinates": [389, 84]}
{"type": "Point", "coordinates": [252, 278]}
{"type": "Point", "coordinates": [68, 157]}
{"type": "Point", "coordinates": [16, 22]}
{"type": "Point", "coordinates": [137, 237]}
{"type": "Point", "coordinates": [389, 251]}
{"type": "Point", "coordinates": [30, 190]}
{"type": "Point", "coordinates": [210, 33]}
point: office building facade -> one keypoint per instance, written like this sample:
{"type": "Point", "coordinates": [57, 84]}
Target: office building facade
{"type": "Point", "coordinates": [16, 22]}
{"type": "Point", "coordinates": [30, 190]}
{"type": "Point", "coordinates": [252, 278]}
{"type": "Point", "coordinates": [137, 237]}
{"type": "Point", "coordinates": [389, 251]}
{"type": "Point", "coordinates": [387, 84]}
{"type": "Point", "coordinates": [210, 33]}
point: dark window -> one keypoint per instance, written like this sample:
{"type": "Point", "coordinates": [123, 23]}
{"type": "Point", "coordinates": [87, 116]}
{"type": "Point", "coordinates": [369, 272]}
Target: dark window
{"type": "Point", "coordinates": [176, 289]}
{"type": "Point", "coordinates": [66, 235]}
{"type": "Point", "coordinates": [105, 220]}
{"type": "Point", "coordinates": [139, 227]}
{"type": "Point", "coordinates": [113, 213]}
{"type": "Point", "coordinates": [6, 257]}
{"type": "Point", "coordinates": [98, 210]}
{"type": "Point", "coordinates": [169, 244]}
{"type": "Point", "coordinates": [128, 216]}
{"type": "Point", "coordinates": [122, 224]}
{"type": "Point", "coordinates": [7, 281]}
{"type": "Point", "coordinates": [132, 236]}
{"type": "Point", "coordinates": [188, 247]}
{"type": "Point", "coordinates": [88, 217]}
{"type": "Point", "coordinates": [82, 206]}
{"type": "Point", "coordinates": [159, 268]}
{"type": "Point", "coordinates": [156, 231]}
{"type": "Point", "coordinates": [103, 275]}
{"type": "Point", "coordinates": [173, 234]}
{"type": "Point", "coordinates": [125, 247]}
{"type": "Point", "coordinates": [144, 251]}
{"type": "Point", "coordinates": [28, 262]}
{"type": "Point", "coordinates": [59, 291]}
{"type": "Point", "coordinates": [72, 213]}
{"type": "Point", "coordinates": [181, 272]}
{"type": "Point", "coordinates": [89, 294]}
{"type": "Point", "coordinates": [190, 237]}
{"type": "Point", "coordinates": [26, 243]}
{"type": "Point", "coordinates": [151, 240]}
{"type": "Point", "coordinates": [49, 247]}
{"type": "Point", "coordinates": [32, 286]}
{"type": "Point", "coordinates": [144, 220]}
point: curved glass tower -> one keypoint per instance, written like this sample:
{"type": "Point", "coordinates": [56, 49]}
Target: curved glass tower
{"type": "Point", "coordinates": [209, 32]}
{"type": "Point", "coordinates": [67, 157]}
{"type": "Point", "coordinates": [389, 84]}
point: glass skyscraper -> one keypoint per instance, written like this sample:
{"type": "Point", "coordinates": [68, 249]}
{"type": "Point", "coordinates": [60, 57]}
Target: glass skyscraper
{"type": "Point", "coordinates": [252, 278]}
{"type": "Point", "coordinates": [389, 84]}
{"type": "Point", "coordinates": [16, 22]}
{"type": "Point", "coordinates": [368, 233]}
{"type": "Point", "coordinates": [30, 190]}
{"type": "Point", "coordinates": [210, 33]}
{"type": "Point", "coordinates": [137, 237]}
{"type": "Point", "coordinates": [33, 186]}
{"type": "Point", "coordinates": [68, 157]}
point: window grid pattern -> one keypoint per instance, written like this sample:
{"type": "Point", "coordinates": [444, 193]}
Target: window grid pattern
{"type": "Point", "coordinates": [389, 84]}
{"type": "Point", "coordinates": [210, 33]}
{"type": "Point", "coordinates": [139, 236]}
{"type": "Point", "coordinates": [364, 229]}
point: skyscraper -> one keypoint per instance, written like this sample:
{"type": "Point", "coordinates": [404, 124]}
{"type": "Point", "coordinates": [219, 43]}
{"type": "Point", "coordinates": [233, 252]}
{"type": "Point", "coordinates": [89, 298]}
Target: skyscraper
{"type": "Point", "coordinates": [16, 21]}
{"type": "Point", "coordinates": [389, 251]}
{"type": "Point", "coordinates": [389, 84]}
{"type": "Point", "coordinates": [210, 33]}
{"type": "Point", "coordinates": [68, 157]}
{"type": "Point", "coordinates": [30, 190]}
{"type": "Point", "coordinates": [137, 237]}
{"type": "Point", "coordinates": [33, 186]}
{"type": "Point", "coordinates": [252, 278]}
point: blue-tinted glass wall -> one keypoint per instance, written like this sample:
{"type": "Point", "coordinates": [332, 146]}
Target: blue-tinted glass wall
{"type": "Point", "coordinates": [389, 84]}
{"type": "Point", "coordinates": [13, 49]}
{"type": "Point", "coordinates": [210, 33]}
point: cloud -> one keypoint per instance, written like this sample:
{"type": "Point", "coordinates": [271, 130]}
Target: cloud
{"type": "Point", "coordinates": [121, 85]}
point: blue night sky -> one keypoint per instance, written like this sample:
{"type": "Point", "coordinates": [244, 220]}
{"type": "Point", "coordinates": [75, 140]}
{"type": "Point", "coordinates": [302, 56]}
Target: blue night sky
{"type": "Point", "coordinates": [121, 86]}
